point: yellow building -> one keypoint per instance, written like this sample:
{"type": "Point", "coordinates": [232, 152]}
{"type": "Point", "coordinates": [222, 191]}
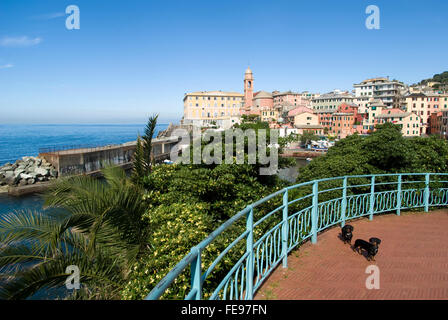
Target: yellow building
{"type": "Point", "coordinates": [409, 121]}
{"type": "Point", "coordinates": [269, 114]}
{"type": "Point", "coordinates": [308, 121]}
{"type": "Point", "coordinates": [211, 107]}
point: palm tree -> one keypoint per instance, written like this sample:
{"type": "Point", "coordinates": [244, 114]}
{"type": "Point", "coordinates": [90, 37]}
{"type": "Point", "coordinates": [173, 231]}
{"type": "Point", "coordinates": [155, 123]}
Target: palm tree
{"type": "Point", "coordinates": [93, 224]}
{"type": "Point", "coordinates": [143, 156]}
{"type": "Point", "coordinates": [138, 162]}
{"type": "Point", "coordinates": [147, 143]}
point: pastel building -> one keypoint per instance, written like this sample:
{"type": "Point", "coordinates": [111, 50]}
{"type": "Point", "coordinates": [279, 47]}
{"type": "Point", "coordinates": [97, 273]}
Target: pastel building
{"type": "Point", "coordinates": [344, 121]}
{"type": "Point", "coordinates": [388, 91]}
{"type": "Point", "coordinates": [374, 108]}
{"type": "Point", "coordinates": [325, 117]}
{"type": "Point", "coordinates": [331, 100]}
{"type": "Point", "coordinates": [309, 95]}
{"type": "Point", "coordinates": [304, 120]}
{"type": "Point", "coordinates": [294, 98]}
{"type": "Point", "coordinates": [424, 104]}
{"type": "Point", "coordinates": [263, 102]}
{"type": "Point", "coordinates": [203, 108]}
{"type": "Point", "coordinates": [435, 121]}
{"type": "Point", "coordinates": [409, 121]}
{"type": "Point", "coordinates": [342, 124]}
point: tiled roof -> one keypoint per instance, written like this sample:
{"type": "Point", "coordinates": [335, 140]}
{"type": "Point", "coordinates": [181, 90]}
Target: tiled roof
{"type": "Point", "coordinates": [395, 115]}
{"type": "Point", "coordinates": [299, 110]}
{"type": "Point", "coordinates": [333, 95]}
{"type": "Point", "coordinates": [214, 93]}
{"type": "Point", "coordinates": [262, 94]}
{"type": "Point", "coordinates": [309, 126]}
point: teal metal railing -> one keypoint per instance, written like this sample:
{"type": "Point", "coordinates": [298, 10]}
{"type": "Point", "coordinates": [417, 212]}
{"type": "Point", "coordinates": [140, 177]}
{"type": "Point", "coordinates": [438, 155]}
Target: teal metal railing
{"type": "Point", "coordinates": [292, 215]}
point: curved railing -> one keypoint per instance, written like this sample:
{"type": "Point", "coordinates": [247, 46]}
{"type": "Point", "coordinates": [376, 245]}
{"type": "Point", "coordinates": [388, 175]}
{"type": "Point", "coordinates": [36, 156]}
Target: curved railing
{"type": "Point", "coordinates": [295, 214]}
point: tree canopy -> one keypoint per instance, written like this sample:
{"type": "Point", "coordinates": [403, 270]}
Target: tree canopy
{"type": "Point", "coordinates": [383, 151]}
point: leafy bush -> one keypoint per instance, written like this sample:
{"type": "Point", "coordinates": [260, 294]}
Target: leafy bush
{"type": "Point", "coordinates": [186, 203]}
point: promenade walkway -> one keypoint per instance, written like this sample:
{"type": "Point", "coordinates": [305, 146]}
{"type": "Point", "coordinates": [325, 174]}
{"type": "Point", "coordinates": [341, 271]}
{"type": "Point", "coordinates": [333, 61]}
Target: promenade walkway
{"type": "Point", "coordinates": [412, 259]}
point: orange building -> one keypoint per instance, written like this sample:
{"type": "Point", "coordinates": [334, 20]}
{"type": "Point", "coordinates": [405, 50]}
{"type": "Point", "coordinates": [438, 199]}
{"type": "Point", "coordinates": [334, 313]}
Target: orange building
{"type": "Point", "coordinates": [435, 120]}
{"type": "Point", "coordinates": [342, 124]}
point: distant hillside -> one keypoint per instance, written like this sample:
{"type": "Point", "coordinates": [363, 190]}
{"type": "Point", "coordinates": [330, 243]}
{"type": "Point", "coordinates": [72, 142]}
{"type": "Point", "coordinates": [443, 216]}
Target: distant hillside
{"type": "Point", "coordinates": [441, 77]}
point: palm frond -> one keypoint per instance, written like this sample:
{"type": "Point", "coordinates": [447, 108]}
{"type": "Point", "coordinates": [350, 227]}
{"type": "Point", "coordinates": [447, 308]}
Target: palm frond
{"type": "Point", "coordinates": [52, 274]}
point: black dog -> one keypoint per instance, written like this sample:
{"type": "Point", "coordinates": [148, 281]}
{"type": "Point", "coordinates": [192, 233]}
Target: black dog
{"type": "Point", "coordinates": [371, 247]}
{"type": "Point", "coordinates": [346, 233]}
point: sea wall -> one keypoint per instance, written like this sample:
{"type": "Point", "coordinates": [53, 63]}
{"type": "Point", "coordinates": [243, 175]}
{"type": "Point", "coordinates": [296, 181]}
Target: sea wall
{"type": "Point", "coordinates": [81, 161]}
{"type": "Point", "coordinates": [92, 160]}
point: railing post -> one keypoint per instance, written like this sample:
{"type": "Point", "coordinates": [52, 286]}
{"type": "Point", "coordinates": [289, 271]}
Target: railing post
{"type": "Point", "coordinates": [285, 230]}
{"type": "Point", "coordinates": [250, 256]}
{"type": "Point", "coordinates": [426, 192]}
{"type": "Point", "coordinates": [372, 197]}
{"type": "Point", "coordinates": [399, 195]}
{"type": "Point", "coordinates": [196, 274]}
{"type": "Point", "coordinates": [344, 201]}
{"type": "Point", "coordinates": [314, 212]}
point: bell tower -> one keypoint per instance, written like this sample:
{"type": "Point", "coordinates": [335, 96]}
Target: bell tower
{"type": "Point", "coordinates": [248, 89]}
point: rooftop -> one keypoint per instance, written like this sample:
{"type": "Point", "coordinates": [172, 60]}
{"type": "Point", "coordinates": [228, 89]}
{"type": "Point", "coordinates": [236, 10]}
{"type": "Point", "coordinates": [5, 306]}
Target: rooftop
{"type": "Point", "coordinates": [333, 95]}
{"type": "Point", "coordinates": [262, 94]}
{"type": "Point", "coordinates": [395, 115]}
{"type": "Point", "coordinates": [299, 110]}
{"type": "Point", "coordinates": [309, 126]}
{"type": "Point", "coordinates": [214, 94]}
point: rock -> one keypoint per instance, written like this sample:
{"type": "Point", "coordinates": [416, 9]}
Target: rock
{"type": "Point", "coordinates": [7, 168]}
{"type": "Point", "coordinates": [9, 174]}
{"type": "Point", "coordinates": [31, 181]}
{"type": "Point", "coordinates": [10, 181]}
{"type": "Point", "coordinates": [23, 182]}
{"type": "Point", "coordinates": [31, 169]}
{"type": "Point", "coordinates": [54, 173]}
{"type": "Point", "coordinates": [11, 178]}
{"type": "Point", "coordinates": [42, 171]}
{"type": "Point", "coordinates": [25, 176]}
{"type": "Point", "coordinates": [17, 172]}
{"type": "Point", "coordinates": [38, 162]}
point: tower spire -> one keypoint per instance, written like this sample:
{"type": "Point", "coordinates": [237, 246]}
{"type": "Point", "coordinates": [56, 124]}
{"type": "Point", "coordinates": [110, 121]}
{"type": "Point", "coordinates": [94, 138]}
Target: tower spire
{"type": "Point", "coordinates": [248, 89]}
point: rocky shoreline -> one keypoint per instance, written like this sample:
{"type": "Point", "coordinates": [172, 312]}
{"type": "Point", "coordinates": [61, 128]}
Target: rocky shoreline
{"type": "Point", "coordinates": [27, 171]}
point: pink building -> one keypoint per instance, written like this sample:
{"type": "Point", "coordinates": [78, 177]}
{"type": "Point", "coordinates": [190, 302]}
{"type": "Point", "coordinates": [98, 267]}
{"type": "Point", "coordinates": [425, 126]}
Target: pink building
{"type": "Point", "coordinates": [296, 99]}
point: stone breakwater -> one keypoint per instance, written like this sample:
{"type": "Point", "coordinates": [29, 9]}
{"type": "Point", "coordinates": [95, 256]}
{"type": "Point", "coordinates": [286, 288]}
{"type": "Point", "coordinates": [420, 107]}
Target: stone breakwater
{"type": "Point", "coordinates": [28, 171]}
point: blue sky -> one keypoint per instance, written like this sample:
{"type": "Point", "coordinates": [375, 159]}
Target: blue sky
{"type": "Point", "coordinates": [136, 57]}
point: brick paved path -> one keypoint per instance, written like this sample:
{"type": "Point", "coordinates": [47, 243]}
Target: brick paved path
{"type": "Point", "coordinates": [412, 259]}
